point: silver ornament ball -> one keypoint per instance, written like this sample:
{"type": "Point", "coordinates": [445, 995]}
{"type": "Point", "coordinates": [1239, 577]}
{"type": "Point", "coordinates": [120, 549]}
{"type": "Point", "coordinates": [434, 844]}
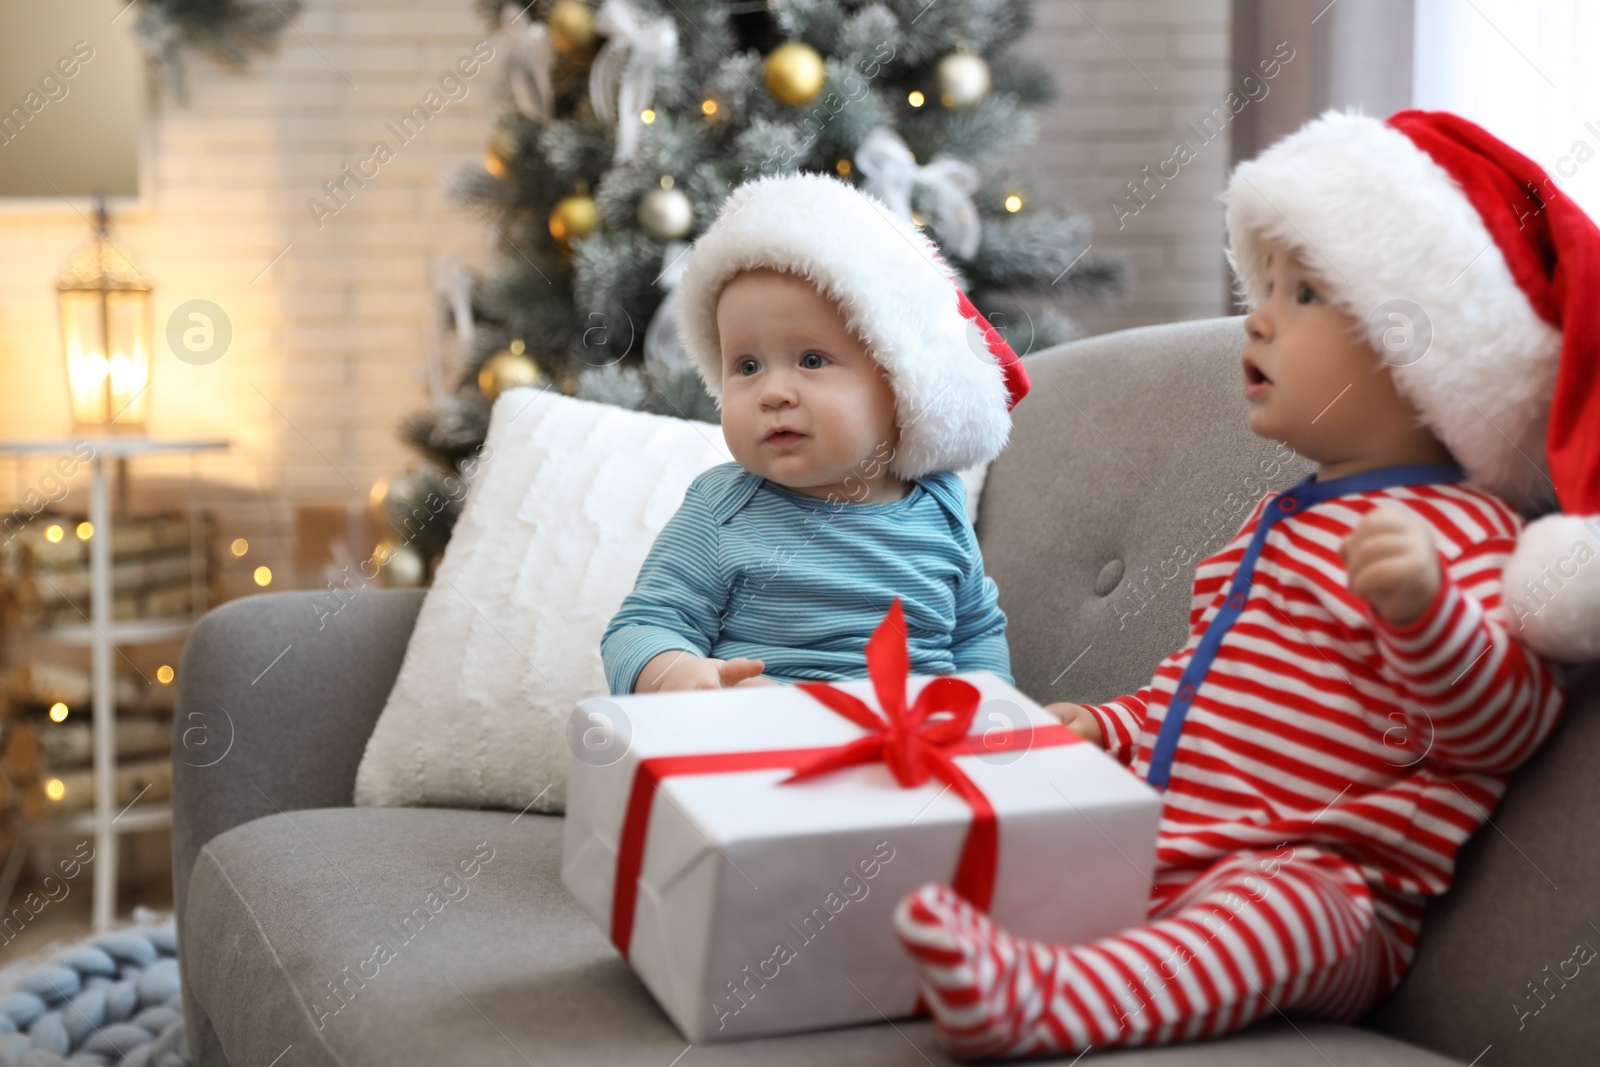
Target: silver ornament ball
{"type": "Point", "coordinates": [666, 213]}
{"type": "Point", "coordinates": [964, 79]}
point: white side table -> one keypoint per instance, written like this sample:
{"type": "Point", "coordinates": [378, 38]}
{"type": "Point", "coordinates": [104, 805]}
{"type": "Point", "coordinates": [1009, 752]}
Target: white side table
{"type": "Point", "coordinates": [103, 634]}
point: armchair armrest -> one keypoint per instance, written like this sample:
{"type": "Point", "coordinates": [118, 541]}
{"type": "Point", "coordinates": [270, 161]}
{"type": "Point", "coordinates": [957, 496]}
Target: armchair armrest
{"type": "Point", "coordinates": [277, 695]}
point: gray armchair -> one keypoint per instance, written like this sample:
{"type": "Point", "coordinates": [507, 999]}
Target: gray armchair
{"type": "Point", "coordinates": [1126, 447]}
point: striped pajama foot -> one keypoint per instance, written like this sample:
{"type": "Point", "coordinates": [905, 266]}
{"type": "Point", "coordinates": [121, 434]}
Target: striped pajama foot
{"type": "Point", "coordinates": [1236, 947]}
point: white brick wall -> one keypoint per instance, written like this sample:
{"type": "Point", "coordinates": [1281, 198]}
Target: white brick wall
{"type": "Point", "coordinates": [328, 343]}
{"type": "Point", "coordinates": [1130, 73]}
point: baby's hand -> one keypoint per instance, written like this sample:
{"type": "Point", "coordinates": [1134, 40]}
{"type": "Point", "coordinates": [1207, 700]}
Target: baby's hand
{"type": "Point", "coordinates": [1076, 718]}
{"type": "Point", "coordinates": [679, 670]}
{"type": "Point", "coordinates": [1392, 563]}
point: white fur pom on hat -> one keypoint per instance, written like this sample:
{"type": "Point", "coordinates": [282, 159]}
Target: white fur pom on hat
{"type": "Point", "coordinates": [1425, 226]}
{"type": "Point", "coordinates": [954, 377]}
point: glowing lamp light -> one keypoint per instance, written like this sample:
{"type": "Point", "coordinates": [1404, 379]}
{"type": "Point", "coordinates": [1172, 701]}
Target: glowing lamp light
{"type": "Point", "coordinates": [1013, 203]}
{"type": "Point", "coordinates": [239, 547]}
{"type": "Point", "coordinates": [54, 534]}
{"type": "Point", "coordinates": [647, 116]}
{"type": "Point", "coordinates": [85, 531]}
{"type": "Point", "coordinates": [165, 674]}
{"type": "Point", "coordinates": [58, 712]}
{"type": "Point", "coordinates": [916, 99]}
{"type": "Point", "coordinates": [55, 789]}
{"type": "Point", "coordinates": [708, 107]}
{"type": "Point", "coordinates": [263, 576]}
{"type": "Point", "coordinates": [105, 333]}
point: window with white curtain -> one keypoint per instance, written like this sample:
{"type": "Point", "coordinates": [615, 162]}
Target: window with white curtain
{"type": "Point", "coordinates": [1528, 71]}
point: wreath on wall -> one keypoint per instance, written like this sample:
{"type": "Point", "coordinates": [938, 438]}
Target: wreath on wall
{"type": "Point", "coordinates": [230, 30]}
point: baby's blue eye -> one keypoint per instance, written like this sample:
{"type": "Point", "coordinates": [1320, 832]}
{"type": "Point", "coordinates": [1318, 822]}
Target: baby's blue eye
{"type": "Point", "coordinates": [748, 367]}
{"type": "Point", "coordinates": [813, 360]}
{"type": "Point", "coordinates": [1306, 294]}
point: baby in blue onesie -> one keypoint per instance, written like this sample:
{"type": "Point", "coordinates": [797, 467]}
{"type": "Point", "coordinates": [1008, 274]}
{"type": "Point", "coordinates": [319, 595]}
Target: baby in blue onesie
{"type": "Point", "coordinates": [854, 377]}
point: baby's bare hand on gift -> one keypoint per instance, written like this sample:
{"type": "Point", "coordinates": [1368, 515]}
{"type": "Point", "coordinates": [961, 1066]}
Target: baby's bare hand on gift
{"type": "Point", "coordinates": [741, 671]}
{"type": "Point", "coordinates": [1076, 718]}
{"type": "Point", "coordinates": [1392, 563]}
{"type": "Point", "coordinates": [679, 670]}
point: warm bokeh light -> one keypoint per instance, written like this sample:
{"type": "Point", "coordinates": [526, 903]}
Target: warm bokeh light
{"type": "Point", "coordinates": [1013, 203]}
{"type": "Point", "coordinates": [164, 674]}
{"type": "Point", "coordinates": [647, 116]}
{"type": "Point", "coordinates": [843, 167]}
{"type": "Point", "coordinates": [54, 533]}
{"type": "Point", "coordinates": [708, 107]}
{"type": "Point", "coordinates": [58, 712]}
{"type": "Point", "coordinates": [916, 98]}
{"type": "Point", "coordinates": [85, 530]}
{"type": "Point", "coordinates": [263, 575]}
{"type": "Point", "coordinates": [239, 547]}
{"type": "Point", "coordinates": [55, 789]}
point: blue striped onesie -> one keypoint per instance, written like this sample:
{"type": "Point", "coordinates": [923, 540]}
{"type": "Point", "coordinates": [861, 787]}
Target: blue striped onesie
{"type": "Point", "coordinates": [748, 568]}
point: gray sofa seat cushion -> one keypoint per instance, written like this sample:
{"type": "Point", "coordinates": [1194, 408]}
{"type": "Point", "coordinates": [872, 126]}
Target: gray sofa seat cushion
{"type": "Point", "coordinates": [500, 966]}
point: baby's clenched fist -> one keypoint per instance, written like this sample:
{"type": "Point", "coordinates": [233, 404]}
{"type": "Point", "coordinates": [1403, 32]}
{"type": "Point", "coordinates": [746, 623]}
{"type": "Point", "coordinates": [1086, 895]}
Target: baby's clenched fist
{"type": "Point", "coordinates": [1392, 563]}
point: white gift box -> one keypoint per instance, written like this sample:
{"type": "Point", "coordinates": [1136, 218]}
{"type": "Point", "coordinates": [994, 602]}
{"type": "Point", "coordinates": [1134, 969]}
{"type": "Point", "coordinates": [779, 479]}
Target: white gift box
{"type": "Point", "coordinates": [763, 908]}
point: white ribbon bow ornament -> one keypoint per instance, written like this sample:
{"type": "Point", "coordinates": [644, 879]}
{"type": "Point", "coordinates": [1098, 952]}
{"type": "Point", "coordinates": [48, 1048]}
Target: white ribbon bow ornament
{"type": "Point", "coordinates": [891, 172]}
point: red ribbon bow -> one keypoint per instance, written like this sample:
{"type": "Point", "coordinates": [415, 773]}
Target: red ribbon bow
{"type": "Point", "coordinates": [913, 747]}
{"type": "Point", "coordinates": [903, 738]}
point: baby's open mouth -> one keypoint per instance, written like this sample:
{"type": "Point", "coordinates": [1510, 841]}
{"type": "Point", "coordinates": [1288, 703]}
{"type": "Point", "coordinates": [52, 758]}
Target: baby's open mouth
{"type": "Point", "coordinates": [1253, 375]}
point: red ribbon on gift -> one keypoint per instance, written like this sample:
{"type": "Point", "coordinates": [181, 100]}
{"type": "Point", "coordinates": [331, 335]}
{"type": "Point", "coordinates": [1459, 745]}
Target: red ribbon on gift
{"type": "Point", "coordinates": [916, 743]}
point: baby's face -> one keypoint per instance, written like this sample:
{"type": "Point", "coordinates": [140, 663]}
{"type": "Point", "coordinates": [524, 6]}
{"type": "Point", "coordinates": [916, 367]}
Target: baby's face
{"type": "Point", "coordinates": [1311, 378]}
{"type": "Point", "coordinates": [803, 402]}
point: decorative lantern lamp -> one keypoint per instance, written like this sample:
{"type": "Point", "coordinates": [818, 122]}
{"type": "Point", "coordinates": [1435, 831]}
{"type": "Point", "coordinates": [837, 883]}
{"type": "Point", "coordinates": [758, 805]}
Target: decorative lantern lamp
{"type": "Point", "coordinates": [105, 333]}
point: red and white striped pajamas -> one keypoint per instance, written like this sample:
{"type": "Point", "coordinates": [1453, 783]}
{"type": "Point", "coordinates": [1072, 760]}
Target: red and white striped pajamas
{"type": "Point", "coordinates": [1327, 772]}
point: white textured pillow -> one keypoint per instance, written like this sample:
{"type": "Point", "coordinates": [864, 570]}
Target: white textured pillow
{"type": "Point", "coordinates": [570, 497]}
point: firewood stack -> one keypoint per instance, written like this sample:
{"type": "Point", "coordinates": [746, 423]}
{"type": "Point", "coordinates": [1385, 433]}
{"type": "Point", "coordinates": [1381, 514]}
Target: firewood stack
{"type": "Point", "coordinates": [50, 764]}
{"type": "Point", "coordinates": [162, 568]}
{"type": "Point", "coordinates": [154, 567]}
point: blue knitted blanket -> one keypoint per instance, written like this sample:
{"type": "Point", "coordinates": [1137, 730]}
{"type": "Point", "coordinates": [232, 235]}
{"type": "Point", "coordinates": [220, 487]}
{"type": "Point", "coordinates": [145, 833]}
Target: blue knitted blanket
{"type": "Point", "coordinates": [112, 1001]}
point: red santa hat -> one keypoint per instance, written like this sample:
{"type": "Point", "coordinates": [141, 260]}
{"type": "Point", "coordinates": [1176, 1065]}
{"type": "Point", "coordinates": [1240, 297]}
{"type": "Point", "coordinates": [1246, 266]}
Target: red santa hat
{"type": "Point", "coordinates": [1431, 209]}
{"type": "Point", "coordinates": [955, 379]}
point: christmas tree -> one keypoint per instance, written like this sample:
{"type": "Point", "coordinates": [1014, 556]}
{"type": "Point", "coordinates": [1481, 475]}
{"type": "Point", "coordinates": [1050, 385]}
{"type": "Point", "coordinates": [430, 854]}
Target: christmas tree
{"type": "Point", "coordinates": [624, 126]}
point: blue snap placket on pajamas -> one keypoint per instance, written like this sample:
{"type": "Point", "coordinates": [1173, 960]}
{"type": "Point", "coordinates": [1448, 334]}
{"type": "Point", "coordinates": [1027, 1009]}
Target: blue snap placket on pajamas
{"type": "Point", "coordinates": [1305, 494]}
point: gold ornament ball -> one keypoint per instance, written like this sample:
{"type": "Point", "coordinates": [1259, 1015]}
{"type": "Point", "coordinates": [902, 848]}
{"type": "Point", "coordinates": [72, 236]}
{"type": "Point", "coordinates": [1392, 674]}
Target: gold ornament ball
{"type": "Point", "coordinates": [964, 79]}
{"type": "Point", "coordinates": [575, 216]}
{"type": "Point", "coordinates": [507, 369]}
{"type": "Point", "coordinates": [571, 24]}
{"type": "Point", "coordinates": [666, 213]}
{"type": "Point", "coordinates": [794, 73]}
{"type": "Point", "coordinates": [400, 566]}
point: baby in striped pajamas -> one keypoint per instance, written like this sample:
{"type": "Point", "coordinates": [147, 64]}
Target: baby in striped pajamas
{"type": "Point", "coordinates": [854, 379]}
{"type": "Point", "coordinates": [1354, 691]}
